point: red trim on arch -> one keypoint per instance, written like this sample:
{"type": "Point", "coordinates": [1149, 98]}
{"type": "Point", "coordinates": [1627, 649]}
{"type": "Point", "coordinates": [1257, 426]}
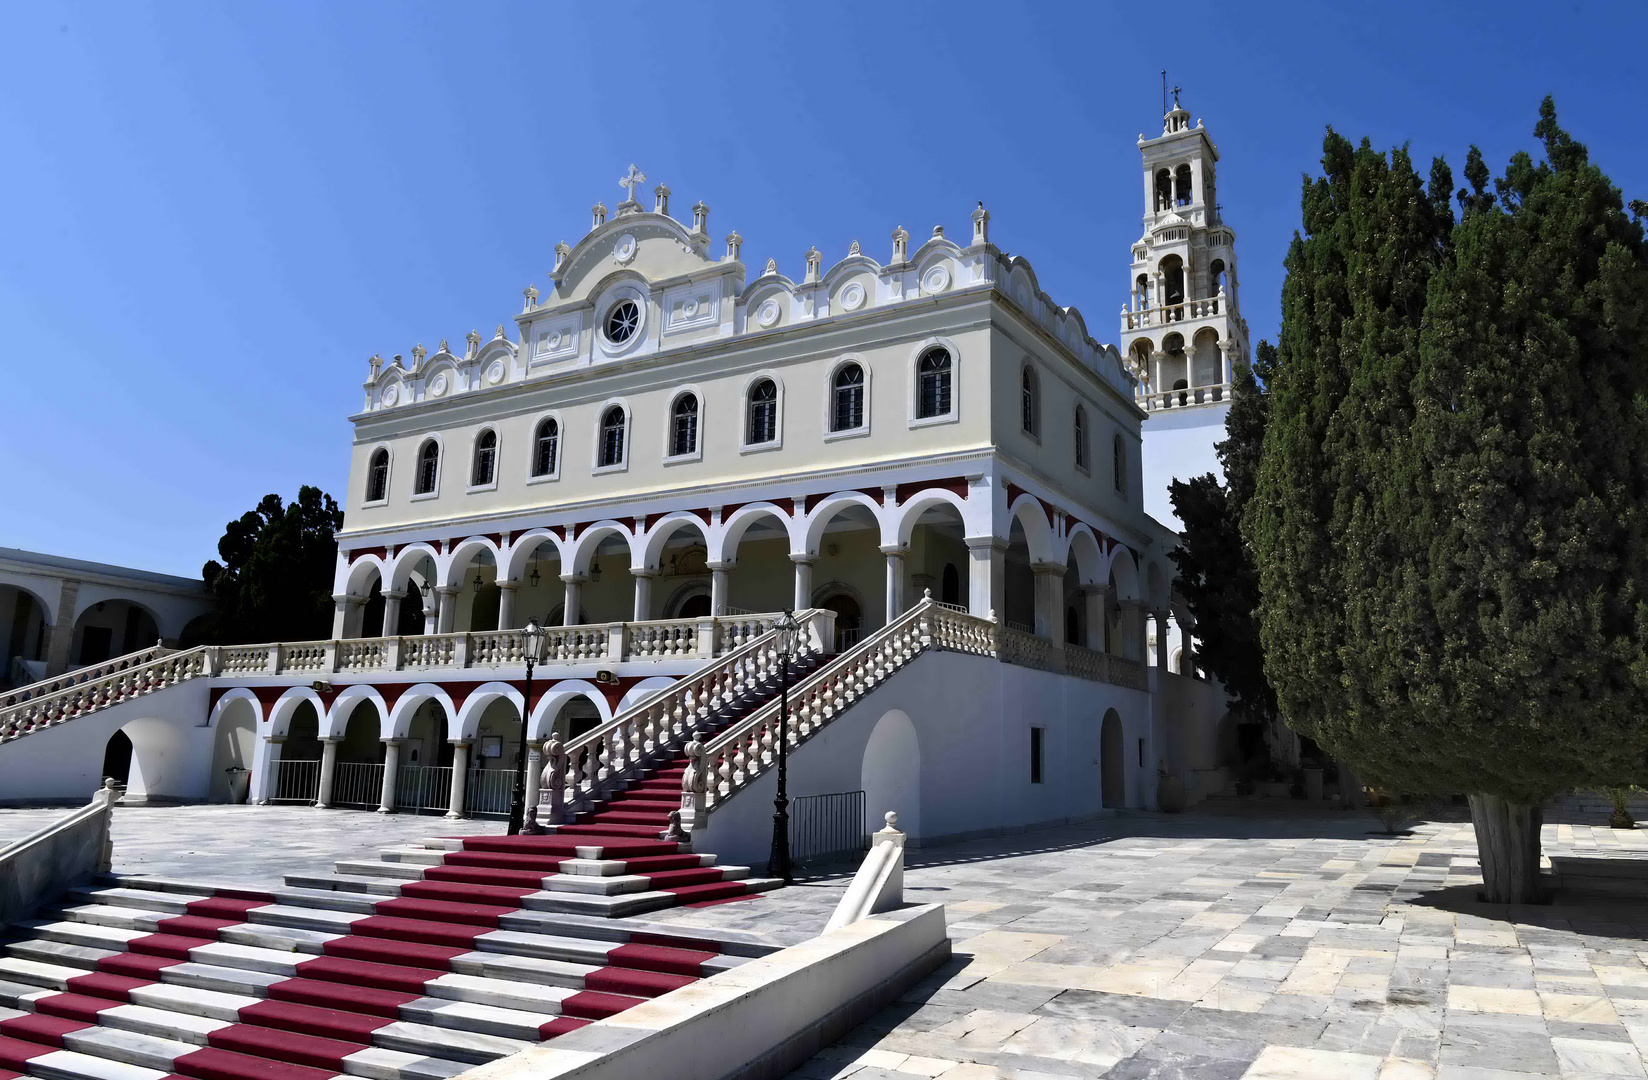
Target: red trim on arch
{"type": "Point", "coordinates": [703, 517]}
{"type": "Point", "coordinates": [356, 553]}
{"type": "Point", "coordinates": [954, 484]}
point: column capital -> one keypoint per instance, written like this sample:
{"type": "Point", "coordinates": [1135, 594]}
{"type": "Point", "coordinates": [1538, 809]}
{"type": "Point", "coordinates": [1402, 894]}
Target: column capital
{"type": "Point", "coordinates": [895, 549]}
{"type": "Point", "coordinates": [574, 579]}
{"type": "Point", "coordinates": [1131, 605]}
{"type": "Point", "coordinates": [721, 564]}
{"type": "Point", "coordinates": [395, 594]}
{"type": "Point", "coordinates": [805, 558]}
{"type": "Point", "coordinates": [449, 590]}
{"type": "Point", "coordinates": [331, 738]}
{"type": "Point", "coordinates": [1048, 568]}
{"type": "Point", "coordinates": [466, 742]}
{"type": "Point", "coordinates": [394, 740]}
{"type": "Point", "coordinates": [509, 585]}
{"type": "Point", "coordinates": [643, 572]}
{"type": "Point", "coordinates": [982, 543]}
{"type": "Point", "coordinates": [1093, 588]}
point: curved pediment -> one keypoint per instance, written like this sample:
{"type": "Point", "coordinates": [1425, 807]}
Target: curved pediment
{"type": "Point", "coordinates": [652, 246]}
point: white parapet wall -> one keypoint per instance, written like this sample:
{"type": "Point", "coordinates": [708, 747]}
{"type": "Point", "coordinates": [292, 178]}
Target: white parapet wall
{"type": "Point", "coordinates": [758, 1020]}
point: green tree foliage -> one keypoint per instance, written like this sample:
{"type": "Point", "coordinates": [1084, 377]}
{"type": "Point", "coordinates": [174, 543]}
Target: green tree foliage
{"type": "Point", "coordinates": [1217, 575]}
{"type": "Point", "coordinates": [275, 581]}
{"type": "Point", "coordinates": [1448, 515]}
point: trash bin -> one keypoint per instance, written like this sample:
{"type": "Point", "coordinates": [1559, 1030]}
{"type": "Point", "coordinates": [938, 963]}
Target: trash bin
{"type": "Point", "coordinates": [240, 783]}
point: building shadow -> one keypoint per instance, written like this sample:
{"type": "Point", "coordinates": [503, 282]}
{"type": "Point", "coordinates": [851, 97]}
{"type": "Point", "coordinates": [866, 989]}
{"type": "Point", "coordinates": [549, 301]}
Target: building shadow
{"type": "Point", "coordinates": [1568, 911]}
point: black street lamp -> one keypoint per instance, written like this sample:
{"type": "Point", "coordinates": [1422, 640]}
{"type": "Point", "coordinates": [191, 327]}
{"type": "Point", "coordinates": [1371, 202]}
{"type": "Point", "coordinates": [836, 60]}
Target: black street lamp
{"type": "Point", "coordinates": [778, 864]}
{"type": "Point", "coordinates": [532, 645]}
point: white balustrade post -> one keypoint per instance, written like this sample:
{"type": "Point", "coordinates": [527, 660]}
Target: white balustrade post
{"type": "Point", "coordinates": [506, 604]}
{"type": "Point", "coordinates": [447, 611]}
{"type": "Point", "coordinates": [328, 771]}
{"type": "Point", "coordinates": [803, 581]}
{"type": "Point", "coordinates": [615, 643]}
{"type": "Point", "coordinates": [643, 592]}
{"type": "Point", "coordinates": [895, 580]}
{"type": "Point", "coordinates": [391, 765]}
{"type": "Point", "coordinates": [555, 778]}
{"type": "Point", "coordinates": [987, 576]}
{"type": "Point", "coordinates": [570, 615]}
{"type": "Point", "coordinates": [694, 784]}
{"type": "Point", "coordinates": [460, 779]}
{"type": "Point", "coordinates": [706, 638]}
{"type": "Point", "coordinates": [534, 780]}
{"type": "Point", "coordinates": [718, 587]}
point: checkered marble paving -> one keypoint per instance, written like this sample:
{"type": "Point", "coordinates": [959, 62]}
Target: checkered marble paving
{"type": "Point", "coordinates": [1259, 947]}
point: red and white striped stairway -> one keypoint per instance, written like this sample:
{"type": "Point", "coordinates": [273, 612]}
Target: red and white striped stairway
{"type": "Point", "coordinates": [471, 960]}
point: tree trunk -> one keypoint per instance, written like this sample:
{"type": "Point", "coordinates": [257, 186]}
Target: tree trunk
{"type": "Point", "coordinates": [1507, 843]}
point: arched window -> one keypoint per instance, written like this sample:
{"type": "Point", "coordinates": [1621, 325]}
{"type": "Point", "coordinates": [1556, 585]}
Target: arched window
{"type": "Point", "coordinates": [486, 459]}
{"type": "Point", "coordinates": [1181, 184]}
{"type": "Point", "coordinates": [1164, 189]}
{"type": "Point", "coordinates": [429, 467]}
{"type": "Point", "coordinates": [933, 384]}
{"type": "Point", "coordinates": [377, 476]}
{"type": "Point", "coordinates": [684, 426]}
{"type": "Point", "coordinates": [1118, 464]}
{"type": "Point", "coordinates": [546, 447]}
{"type": "Point", "coordinates": [763, 422]}
{"type": "Point", "coordinates": [1029, 402]}
{"type": "Point", "coordinates": [847, 413]}
{"type": "Point", "coordinates": [1142, 290]}
{"type": "Point", "coordinates": [1215, 277]}
{"type": "Point", "coordinates": [612, 437]}
{"type": "Point", "coordinates": [1081, 437]}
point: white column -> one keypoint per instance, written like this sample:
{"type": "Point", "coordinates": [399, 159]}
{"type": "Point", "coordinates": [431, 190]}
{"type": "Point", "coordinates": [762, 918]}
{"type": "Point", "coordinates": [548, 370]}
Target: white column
{"type": "Point", "coordinates": [328, 769]}
{"type": "Point", "coordinates": [803, 581]}
{"type": "Point", "coordinates": [506, 604]}
{"type": "Point", "coordinates": [1224, 365]}
{"type": "Point", "coordinates": [1163, 642]}
{"type": "Point", "coordinates": [447, 611]}
{"type": "Point", "coordinates": [391, 614]}
{"type": "Point", "coordinates": [340, 615]}
{"type": "Point", "coordinates": [391, 765]}
{"type": "Point", "coordinates": [895, 580]}
{"type": "Point", "coordinates": [534, 777]}
{"type": "Point", "coordinates": [431, 612]}
{"type": "Point", "coordinates": [1133, 630]}
{"type": "Point", "coordinates": [987, 577]}
{"type": "Point", "coordinates": [643, 593]}
{"type": "Point", "coordinates": [718, 587]}
{"type": "Point", "coordinates": [1094, 597]}
{"type": "Point", "coordinates": [460, 778]}
{"type": "Point", "coordinates": [1050, 601]}
{"type": "Point", "coordinates": [574, 598]}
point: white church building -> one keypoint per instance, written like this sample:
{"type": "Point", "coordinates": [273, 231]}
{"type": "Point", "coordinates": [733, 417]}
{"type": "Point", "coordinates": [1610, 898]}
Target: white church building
{"type": "Point", "coordinates": [914, 446]}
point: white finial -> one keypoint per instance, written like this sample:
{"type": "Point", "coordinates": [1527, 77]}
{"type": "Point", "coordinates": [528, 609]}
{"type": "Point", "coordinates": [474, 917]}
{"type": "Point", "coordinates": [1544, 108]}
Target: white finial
{"type": "Point", "coordinates": [938, 232]}
{"type": "Point", "coordinates": [474, 339]}
{"type": "Point", "coordinates": [499, 332]}
{"type": "Point", "coordinates": [735, 246]}
{"type": "Point", "coordinates": [561, 253]}
{"type": "Point", "coordinates": [815, 259]}
{"type": "Point", "coordinates": [444, 346]}
{"type": "Point", "coordinates": [630, 181]}
{"type": "Point", "coordinates": [375, 364]}
{"type": "Point", "coordinates": [599, 213]}
{"type": "Point", "coordinates": [772, 267]}
{"type": "Point", "coordinates": [891, 818]}
{"type": "Point", "coordinates": [981, 224]}
{"type": "Point", "coordinates": [531, 294]}
{"type": "Point", "coordinates": [418, 353]}
{"type": "Point", "coordinates": [901, 245]}
{"type": "Point", "coordinates": [854, 249]}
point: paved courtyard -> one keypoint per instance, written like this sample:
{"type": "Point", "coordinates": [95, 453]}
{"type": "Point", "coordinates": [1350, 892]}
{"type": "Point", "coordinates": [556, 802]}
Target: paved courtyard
{"type": "Point", "coordinates": [1201, 946]}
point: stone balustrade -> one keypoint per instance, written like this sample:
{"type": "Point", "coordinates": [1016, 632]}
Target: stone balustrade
{"type": "Point", "coordinates": [43, 704]}
{"type": "Point", "coordinates": [1173, 314]}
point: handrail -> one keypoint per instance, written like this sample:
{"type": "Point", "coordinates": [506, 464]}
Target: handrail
{"type": "Point", "coordinates": [34, 714]}
{"type": "Point", "coordinates": [79, 675]}
{"type": "Point", "coordinates": [54, 857]}
{"type": "Point", "coordinates": [585, 767]}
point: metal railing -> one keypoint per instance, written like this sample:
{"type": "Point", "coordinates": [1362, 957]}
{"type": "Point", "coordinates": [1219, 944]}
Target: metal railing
{"type": "Point", "coordinates": [357, 784]}
{"type": "Point", "coordinates": [487, 792]}
{"type": "Point", "coordinates": [296, 781]}
{"type": "Point", "coordinates": [421, 788]}
{"type": "Point", "coordinates": [824, 827]}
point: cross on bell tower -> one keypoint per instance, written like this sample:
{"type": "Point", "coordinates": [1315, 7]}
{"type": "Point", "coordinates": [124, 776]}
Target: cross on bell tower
{"type": "Point", "coordinates": [629, 182]}
{"type": "Point", "coordinates": [1182, 330]}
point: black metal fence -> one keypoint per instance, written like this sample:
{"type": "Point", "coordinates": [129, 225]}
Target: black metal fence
{"type": "Point", "coordinates": [826, 827]}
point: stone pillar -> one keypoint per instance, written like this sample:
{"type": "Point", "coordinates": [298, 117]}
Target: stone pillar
{"type": "Point", "coordinates": [391, 766]}
{"type": "Point", "coordinates": [1093, 596]}
{"type": "Point", "coordinates": [718, 587]}
{"type": "Point", "coordinates": [987, 577]}
{"type": "Point", "coordinates": [328, 770]}
{"type": "Point", "coordinates": [340, 615]}
{"type": "Point", "coordinates": [1050, 601]}
{"type": "Point", "coordinates": [1224, 365]}
{"type": "Point", "coordinates": [1164, 643]}
{"type": "Point", "coordinates": [570, 615]}
{"type": "Point", "coordinates": [61, 638]}
{"type": "Point", "coordinates": [447, 612]}
{"type": "Point", "coordinates": [391, 614]}
{"type": "Point", "coordinates": [460, 779]}
{"type": "Point", "coordinates": [534, 778]}
{"type": "Point", "coordinates": [1133, 631]}
{"type": "Point", "coordinates": [643, 593]}
{"type": "Point", "coordinates": [431, 612]}
{"type": "Point", "coordinates": [803, 581]}
{"type": "Point", "coordinates": [506, 604]}
{"type": "Point", "coordinates": [895, 580]}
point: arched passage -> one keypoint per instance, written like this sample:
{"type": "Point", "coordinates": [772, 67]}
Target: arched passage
{"type": "Point", "coordinates": [25, 626]}
{"type": "Point", "coordinates": [117, 758]}
{"type": "Point", "coordinates": [111, 628]}
{"type": "Point", "coordinates": [234, 741]}
{"type": "Point", "coordinates": [891, 773]}
{"type": "Point", "coordinates": [676, 557]}
{"type": "Point", "coordinates": [1112, 761]}
{"type": "Point", "coordinates": [844, 536]}
{"type": "Point", "coordinates": [534, 564]}
{"type": "Point", "coordinates": [754, 549]}
{"type": "Point", "coordinates": [159, 762]}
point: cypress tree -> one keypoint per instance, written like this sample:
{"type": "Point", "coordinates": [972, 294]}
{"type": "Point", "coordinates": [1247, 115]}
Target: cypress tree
{"type": "Point", "coordinates": [1447, 518]}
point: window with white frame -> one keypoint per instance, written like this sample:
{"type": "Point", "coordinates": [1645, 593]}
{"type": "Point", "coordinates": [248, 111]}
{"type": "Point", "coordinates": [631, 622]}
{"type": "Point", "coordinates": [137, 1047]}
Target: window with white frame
{"type": "Point", "coordinates": [486, 459]}
{"type": "Point", "coordinates": [377, 476]}
{"type": "Point", "coordinates": [612, 437]}
{"type": "Point", "coordinates": [622, 321]}
{"type": "Point", "coordinates": [847, 402]}
{"type": "Point", "coordinates": [933, 389]}
{"type": "Point", "coordinates": [762, 426]}
{"type": "Point", "coordinates": [546, 447]}
{"type": "Point", "coordinates": [429, 467]}
{"type": "Point", "coordinates": [1030, 401]}
{"type": "Point", "coordinates": [684, 426]}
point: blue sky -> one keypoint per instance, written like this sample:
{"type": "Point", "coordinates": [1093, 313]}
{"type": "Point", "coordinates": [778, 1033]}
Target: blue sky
{"type": "Point", "coordinates": [214, 213]}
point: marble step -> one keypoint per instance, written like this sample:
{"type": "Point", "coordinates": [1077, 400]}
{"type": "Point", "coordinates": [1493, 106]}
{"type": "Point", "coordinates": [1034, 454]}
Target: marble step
{"type": "Point", "coordinates": [613, 906]}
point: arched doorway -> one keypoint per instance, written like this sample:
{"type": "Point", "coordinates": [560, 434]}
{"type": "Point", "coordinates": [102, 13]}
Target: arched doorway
{"type": "Point", "coordinates": [111, 628]}
{"type": "Point", "coordinates": [849, 616]}
{"type": "Point", "coordinates": [117, 758]}
{"type": "Point", "coordinates": [1112, 762]}
{"type": "Point", "coordinates": [891, 774]}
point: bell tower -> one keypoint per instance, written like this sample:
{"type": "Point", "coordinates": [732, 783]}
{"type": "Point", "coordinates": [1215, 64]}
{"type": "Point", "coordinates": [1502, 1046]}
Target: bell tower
{"type": "Point", "coordinates": [1182, 330]}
